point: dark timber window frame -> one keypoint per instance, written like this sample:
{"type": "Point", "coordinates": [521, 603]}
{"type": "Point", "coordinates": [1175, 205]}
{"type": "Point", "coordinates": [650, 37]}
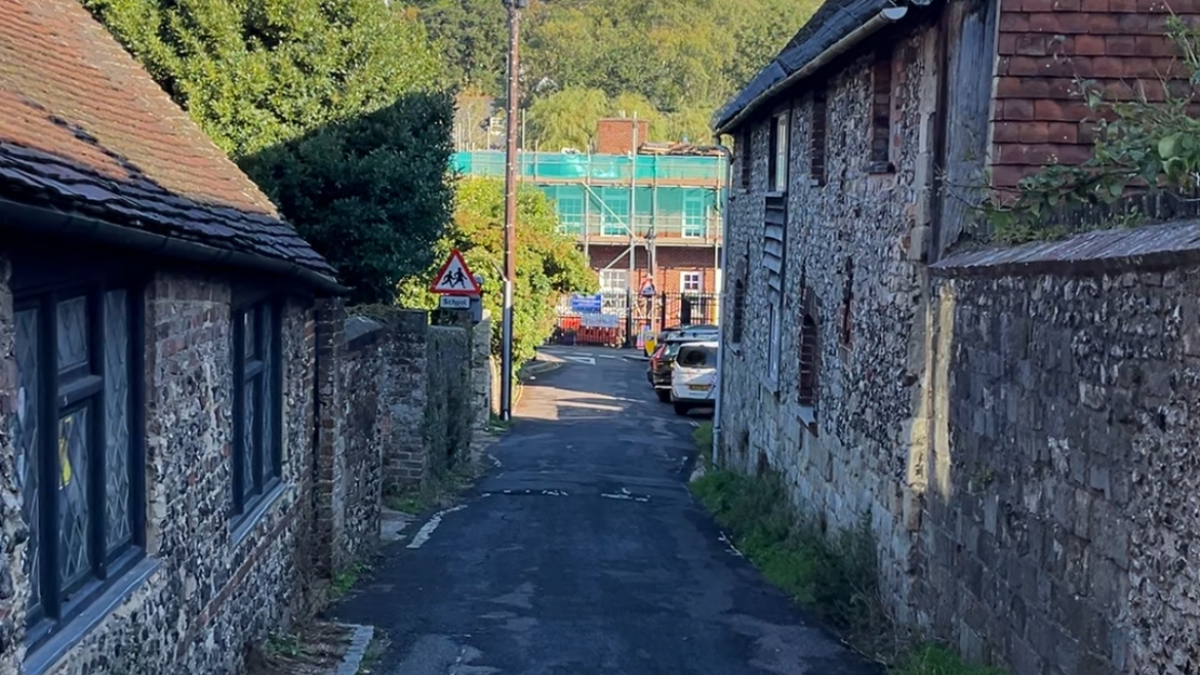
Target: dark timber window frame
{"type": "Point", "coordinates": [808, 392]}
{"type": "Point", "coordinates": [257, 376]}
{"type": "Point", "coordinates": [79, 391]}
{"type": "Point", "coordinates": [846, 329]}
{"type": "Point", "coordinates": [881, 112]}
{"type": "Point", "coordinates": [738, 319]}
{"type": "Point", "coordinates": [819, 114]}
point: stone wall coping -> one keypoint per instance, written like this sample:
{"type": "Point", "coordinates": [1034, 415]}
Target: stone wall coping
{"type": "Point", "coordinates": [1140, 248]}
{"type": "Point", "coordinates": [362, 331]}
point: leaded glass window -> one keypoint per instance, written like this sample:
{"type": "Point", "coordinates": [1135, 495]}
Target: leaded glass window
{"type": "Point", "coordinates": [25, 431]}
{"type": "Point", "coordinates": [257, 404]}
{"type": "Point", "coordinates": [78, 458]}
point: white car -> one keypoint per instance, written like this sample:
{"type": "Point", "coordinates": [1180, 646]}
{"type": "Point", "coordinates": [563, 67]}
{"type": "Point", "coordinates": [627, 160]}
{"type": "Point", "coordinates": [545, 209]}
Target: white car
{"type": "Point", "coordinates": [694, 376]}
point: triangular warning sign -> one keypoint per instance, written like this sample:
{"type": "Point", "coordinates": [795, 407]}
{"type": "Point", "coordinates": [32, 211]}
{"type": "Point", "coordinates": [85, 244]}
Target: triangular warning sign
{"type": "Point", "coordinates": [455, 277]}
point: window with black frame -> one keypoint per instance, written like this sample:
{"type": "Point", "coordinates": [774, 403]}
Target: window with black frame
{"type": "Point", "coordinates": [78, 432]}
{"type": "Point", "coordinates": [257, 405]}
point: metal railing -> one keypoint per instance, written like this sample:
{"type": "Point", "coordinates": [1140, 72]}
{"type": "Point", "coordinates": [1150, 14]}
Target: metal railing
{"type": "Point", "coordinates": [663, 226]}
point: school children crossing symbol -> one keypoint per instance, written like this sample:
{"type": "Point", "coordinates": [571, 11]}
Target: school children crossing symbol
{"type": "Point", "coordinates": [455, 277]}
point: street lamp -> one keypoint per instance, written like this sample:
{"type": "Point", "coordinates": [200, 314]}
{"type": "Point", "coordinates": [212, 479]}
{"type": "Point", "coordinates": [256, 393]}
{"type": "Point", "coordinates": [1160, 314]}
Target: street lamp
{"type": "Point", "coordinates": [514, 8]}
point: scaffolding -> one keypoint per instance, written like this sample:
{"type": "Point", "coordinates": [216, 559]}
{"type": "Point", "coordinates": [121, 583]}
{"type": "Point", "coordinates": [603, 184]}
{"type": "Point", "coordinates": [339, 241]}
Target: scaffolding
{"type": "Point", "coordinates": [634, 201]}
{"type": "Point", "coordinates": [603, 199]}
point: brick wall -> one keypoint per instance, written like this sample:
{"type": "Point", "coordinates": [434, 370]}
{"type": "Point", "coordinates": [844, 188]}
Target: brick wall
{"type": "Point", "coordinates": [350, 422]}
{"type": "Point", "coordinates": [404, 359]}
{"type": "Point", "coordinates": [482, 365]}
{"type": "Point", "coordinates": [448, 417]}
{"type": "Point", "coordinates": [671, 261]}
{"type": "Point", "coordinates": [616, 136]}
{"type": "Point", "coordinates": [1044, 45]}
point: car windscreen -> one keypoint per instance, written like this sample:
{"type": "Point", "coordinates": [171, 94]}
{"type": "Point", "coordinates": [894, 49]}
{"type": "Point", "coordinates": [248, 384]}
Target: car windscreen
{"type": "Point", "coordinates": [672, 349]}
{"type": "Point", "coordinates": [696, 356]}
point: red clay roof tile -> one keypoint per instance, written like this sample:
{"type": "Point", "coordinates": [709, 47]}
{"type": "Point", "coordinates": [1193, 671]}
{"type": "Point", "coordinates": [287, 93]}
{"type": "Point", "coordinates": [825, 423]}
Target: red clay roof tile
{"type": "Point", "coordinates": [84, 128]}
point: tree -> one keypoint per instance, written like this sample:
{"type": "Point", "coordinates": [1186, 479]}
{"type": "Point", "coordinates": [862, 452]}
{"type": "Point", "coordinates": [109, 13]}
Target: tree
{"type": "Point", "coordinates": [548, 263]}
{"type": "Point", "coordinates": [331, 105]}
{"type": "Point", "coordinates": [685, 58]}
{"type": "Point", "coordinates": [566, 119]}
{"type": "Point", "coordinates": [367, 192]}
{"type": "Point", "coordinates": [473, 37]}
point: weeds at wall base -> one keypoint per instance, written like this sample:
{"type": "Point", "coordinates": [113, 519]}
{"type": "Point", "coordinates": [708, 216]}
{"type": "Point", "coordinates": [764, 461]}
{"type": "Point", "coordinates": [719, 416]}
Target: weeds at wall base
{"type": "Point", "coordinates": [834, 575]}
{"type": "Point", "coordinates": [703, 437]}
{"type": "Point", "coordinates": [440, 490]}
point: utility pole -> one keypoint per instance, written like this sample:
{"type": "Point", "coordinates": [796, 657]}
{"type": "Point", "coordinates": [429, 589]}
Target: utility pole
{"type": "Point", "coordinates": [514, 8]}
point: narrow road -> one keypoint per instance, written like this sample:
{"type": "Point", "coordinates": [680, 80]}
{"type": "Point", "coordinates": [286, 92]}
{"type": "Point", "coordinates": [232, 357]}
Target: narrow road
{"type": "Point", "coordinates": [582, 552]}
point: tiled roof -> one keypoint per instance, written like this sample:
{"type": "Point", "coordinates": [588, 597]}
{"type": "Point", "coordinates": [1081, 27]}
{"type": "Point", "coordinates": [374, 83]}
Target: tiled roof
{"type": "Point", "coordinates": [84, 129]}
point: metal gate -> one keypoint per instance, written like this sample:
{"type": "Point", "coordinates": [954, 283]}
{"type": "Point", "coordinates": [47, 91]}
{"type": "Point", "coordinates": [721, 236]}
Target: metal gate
{"type": "Point", "coordinates": [608, 321]}
{"type": "Point", "coordinates": [687, 309]}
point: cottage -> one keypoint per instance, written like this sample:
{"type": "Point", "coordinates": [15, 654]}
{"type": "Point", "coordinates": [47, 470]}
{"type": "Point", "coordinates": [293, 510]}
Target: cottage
{"type": "Point", "coordinates": [878, 391]}
{"type": "Point", "coordinates": [156, 371]}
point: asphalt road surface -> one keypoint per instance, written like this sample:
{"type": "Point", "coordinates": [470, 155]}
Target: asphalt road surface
{"type": "Point", "coordinates": [582, 552]}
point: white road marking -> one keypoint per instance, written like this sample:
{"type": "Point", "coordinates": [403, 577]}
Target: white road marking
{"type": "Point", "coordinates": [732, 549]}
{"type": "Point", "coordinates": [495, 461]}
{"type": "Point", "coordinates": [427, 529]}
{"type": "Point", "coordinates": [625, 494]}
{"type": "Point", "coordinates": [581, 359]}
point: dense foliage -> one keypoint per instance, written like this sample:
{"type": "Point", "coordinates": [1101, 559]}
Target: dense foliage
{"type": "Point", "coordinates": [330, 105]}
{"type": "Point", "coordinates": [370, 193]}
{"type": "Point", "coordinates": [1140, 142]}
{"type": "Point", "coordinates": [671, 61]}
{"type": "Point", "coordinates": [548, 263]}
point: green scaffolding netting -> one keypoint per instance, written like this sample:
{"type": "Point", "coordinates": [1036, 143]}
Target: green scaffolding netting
{"type": "Point", "coordinates": [669, 209]}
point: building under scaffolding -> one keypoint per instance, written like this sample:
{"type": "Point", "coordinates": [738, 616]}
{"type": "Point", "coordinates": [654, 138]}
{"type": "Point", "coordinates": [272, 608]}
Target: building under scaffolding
{"type": "Point", "coordinates": [653, 216]}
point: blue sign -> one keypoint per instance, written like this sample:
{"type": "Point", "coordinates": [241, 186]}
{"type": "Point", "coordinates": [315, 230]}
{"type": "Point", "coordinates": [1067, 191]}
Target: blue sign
{"type": "Point", "coordinates": [586, 303]}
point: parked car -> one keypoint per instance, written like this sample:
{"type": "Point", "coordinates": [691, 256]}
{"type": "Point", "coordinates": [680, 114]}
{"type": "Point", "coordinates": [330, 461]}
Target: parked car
{"type": "Point", "coordinates": [694, 376]}
{"type": "Point", "coordinates": [658, 373]}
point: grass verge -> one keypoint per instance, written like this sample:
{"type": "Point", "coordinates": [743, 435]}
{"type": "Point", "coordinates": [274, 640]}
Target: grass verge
{"type": "Point", "coordinates": [832, 574]}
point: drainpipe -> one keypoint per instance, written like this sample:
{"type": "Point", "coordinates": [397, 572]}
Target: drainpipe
{"type": "Point", "coordinates": [722, 300]}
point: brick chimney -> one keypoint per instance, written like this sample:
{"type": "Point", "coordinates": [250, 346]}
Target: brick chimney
{"type": "Point", "coordinates": [614, 136]}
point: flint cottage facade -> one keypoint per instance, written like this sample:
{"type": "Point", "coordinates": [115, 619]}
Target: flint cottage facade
{"type": "Point", "coordinates": [853, 149]}
{"type": "Point", "coordinates": [156, 371]}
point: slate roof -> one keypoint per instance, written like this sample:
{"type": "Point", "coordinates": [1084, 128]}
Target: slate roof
{"type": "Point", "coordinates": [833, 21]}
{"type": "Point", "coordinates": [85, 130]}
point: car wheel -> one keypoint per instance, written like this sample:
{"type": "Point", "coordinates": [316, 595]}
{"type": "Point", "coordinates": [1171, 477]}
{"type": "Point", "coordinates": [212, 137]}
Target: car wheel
{"type": "Point", "coordinates": [664, 395]}
{"type": "Point", "coordinates": [681, 409]}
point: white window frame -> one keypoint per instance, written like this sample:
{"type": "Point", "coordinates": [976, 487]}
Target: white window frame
{"type": "Point", "coordinates": [684, 277]}
{"type": "Point", "coordinates": [614, 281]}
{"type": "Point", "coordinates": [780, 152]}
{"type": "Point", "coordinates": [694, 227]}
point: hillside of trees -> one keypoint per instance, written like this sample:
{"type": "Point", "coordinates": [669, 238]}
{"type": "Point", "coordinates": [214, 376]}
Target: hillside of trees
{"type": "Point", "coordinates": [673, 62]}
